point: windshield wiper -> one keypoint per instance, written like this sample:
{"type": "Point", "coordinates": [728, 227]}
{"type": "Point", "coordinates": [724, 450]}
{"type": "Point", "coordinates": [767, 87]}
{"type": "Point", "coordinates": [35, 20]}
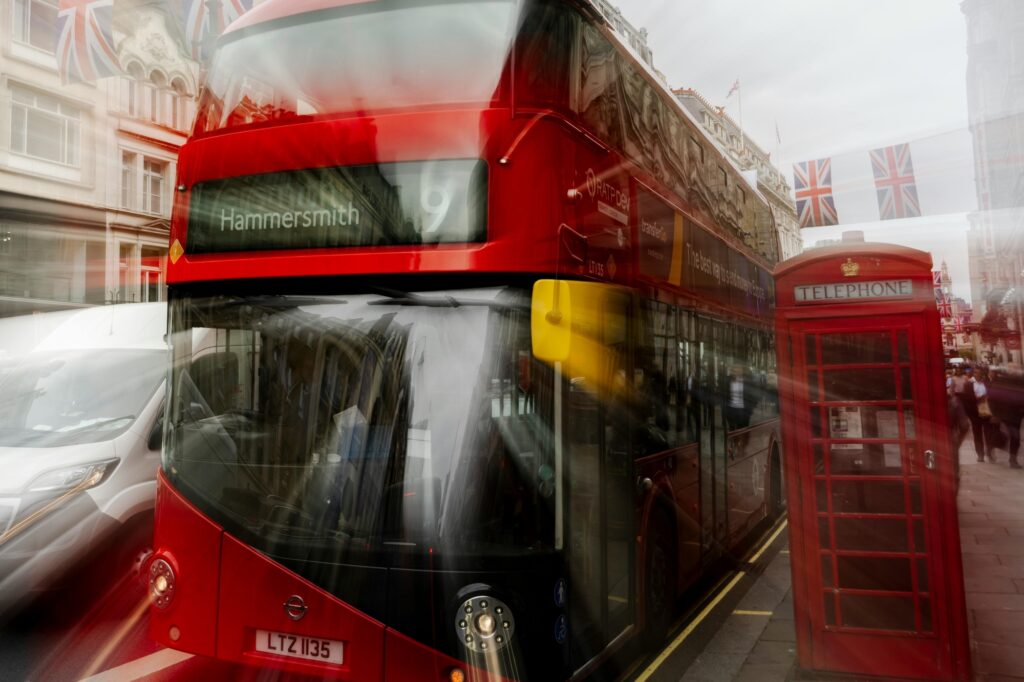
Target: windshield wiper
{"type": "Point", "coordinates": [395, 297]}
{"type": "Point", "coordinates": [281, 301]}
{"type": "Point", "coordinates": [94, 425]}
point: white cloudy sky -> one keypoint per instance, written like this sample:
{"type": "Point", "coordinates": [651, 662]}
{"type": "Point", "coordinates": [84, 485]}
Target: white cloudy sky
{"type": "Point", "coordinates": [838, 78]}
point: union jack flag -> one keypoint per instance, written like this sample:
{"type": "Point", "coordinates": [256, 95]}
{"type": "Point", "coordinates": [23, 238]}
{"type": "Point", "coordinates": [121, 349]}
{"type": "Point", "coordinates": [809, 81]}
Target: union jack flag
{"type": "Point", "coordinates": [945, 307]}
{"type": "Point", "coordinates": [958, 324]}
{"type": "Point", "coordinates": [894, 182]}
{"type": "Point", "coordinates": [197, 21]}
{"type": "Point", "coordinates": [85, 47]}
{"type": "Point", "coordinates": [812, 181]}
{"type": "Point", "coordinates": [936, 278]}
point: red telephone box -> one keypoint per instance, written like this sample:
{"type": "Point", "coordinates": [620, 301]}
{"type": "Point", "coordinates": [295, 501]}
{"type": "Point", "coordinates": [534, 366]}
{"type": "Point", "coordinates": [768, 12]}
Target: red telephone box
{"type": "Point", "coordinates": [878, 584]}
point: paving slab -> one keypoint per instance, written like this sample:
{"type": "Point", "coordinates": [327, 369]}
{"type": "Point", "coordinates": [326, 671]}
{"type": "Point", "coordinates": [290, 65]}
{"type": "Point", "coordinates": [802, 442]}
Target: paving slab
{"type": "Point", "coordinates": [762, 648]}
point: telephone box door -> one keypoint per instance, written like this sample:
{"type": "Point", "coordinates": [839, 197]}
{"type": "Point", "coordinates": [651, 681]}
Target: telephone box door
{"type": "Point", "coordinates": [872, 540]}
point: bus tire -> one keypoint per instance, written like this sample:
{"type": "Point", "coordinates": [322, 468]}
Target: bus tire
{"type": "Point", "coordinates": [661, 579]}
{"type": "Point", "coordinates": [776, 504]}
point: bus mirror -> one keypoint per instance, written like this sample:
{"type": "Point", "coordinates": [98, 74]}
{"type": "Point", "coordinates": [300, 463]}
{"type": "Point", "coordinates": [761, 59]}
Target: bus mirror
{"type": "Point", "coordinates": [551, 320]}
{"type": "Point", "coordinates": [577, 324]}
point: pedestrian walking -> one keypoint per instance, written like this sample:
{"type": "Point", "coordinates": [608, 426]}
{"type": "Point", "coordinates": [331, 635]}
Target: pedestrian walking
{"type": "Point", "coordinates": [1006, 400]}
{"type": "Point", "coordinates": [971, 397]}
{"type": "Point", "coordinates": [959, 425]}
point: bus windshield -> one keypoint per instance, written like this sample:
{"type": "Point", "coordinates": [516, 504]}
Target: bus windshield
{"type": "Point", "coordinates": [371, 421]}
{"type": "Point", "coordinates": [362, 57]}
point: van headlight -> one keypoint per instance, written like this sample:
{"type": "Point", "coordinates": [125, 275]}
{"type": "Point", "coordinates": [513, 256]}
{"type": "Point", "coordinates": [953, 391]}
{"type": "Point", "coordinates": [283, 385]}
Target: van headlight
{"type": "Point", "coordinates": [79, 476]}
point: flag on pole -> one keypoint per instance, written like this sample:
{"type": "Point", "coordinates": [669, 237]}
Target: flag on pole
{"type": "Point", "coordinates": [936, 278]}
{"type": "Point", "coordinates": [734, 88]}
{"type": "Point", "coordinates": [945, 308]}
{"type": "Point", "coordinates": [894, 182]}
{"type": "Point", "coordinates": [85, 44]}
{"type": "Point", "coordinates": [812, 182]}
{"type": "Point", "coordinates": [198, 22]}
{"type": "Point", "coordinates": [958, 323]}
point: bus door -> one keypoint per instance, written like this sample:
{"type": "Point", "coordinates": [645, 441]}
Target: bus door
{"type": "Point", "coordinates": [710, 361]}
{"type": "Point", "coordinates": [599, 480]}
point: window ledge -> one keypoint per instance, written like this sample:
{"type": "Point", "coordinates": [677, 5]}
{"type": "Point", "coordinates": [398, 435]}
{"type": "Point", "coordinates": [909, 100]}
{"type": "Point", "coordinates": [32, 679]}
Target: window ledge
{"type": "Point", "coordinates": [33, 55]}
{"type": "Point", "coordinates": [42, 168]}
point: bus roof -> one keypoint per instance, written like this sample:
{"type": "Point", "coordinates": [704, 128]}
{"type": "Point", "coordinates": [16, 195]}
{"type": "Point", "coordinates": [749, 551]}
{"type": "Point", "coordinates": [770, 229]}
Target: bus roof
{"type": "Point", "coordinates": [278, 9]}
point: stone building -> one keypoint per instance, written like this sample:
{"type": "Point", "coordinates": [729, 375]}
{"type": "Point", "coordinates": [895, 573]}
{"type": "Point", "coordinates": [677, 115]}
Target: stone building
{"type": "Point", "coordinates": [995, 103]}
{"type": "Point", "coordinates": [749, 157]}
{"type": "Point", "coordinates": [87, 169]}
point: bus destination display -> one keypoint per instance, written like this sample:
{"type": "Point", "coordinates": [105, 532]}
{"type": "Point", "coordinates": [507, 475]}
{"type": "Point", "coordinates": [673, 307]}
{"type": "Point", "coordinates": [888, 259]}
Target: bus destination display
{"type": "Point", "coordinates": [411, 203]}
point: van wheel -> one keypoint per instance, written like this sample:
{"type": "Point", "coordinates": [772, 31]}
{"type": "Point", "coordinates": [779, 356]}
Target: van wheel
{"type": "Point", "coordinates": [661, 578]}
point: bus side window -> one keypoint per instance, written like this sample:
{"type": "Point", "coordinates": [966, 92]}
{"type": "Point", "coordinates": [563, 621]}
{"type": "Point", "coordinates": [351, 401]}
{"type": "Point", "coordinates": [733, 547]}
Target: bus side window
{"type": "Point", "coordinates": [657, 379]}
{"type": "Point", "coordinates": [545, 57]}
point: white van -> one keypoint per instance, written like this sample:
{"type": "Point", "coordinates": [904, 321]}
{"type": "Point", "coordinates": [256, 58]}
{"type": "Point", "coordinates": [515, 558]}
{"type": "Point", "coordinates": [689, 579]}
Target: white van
{"type": "Point", "coordinates": [81, 396]}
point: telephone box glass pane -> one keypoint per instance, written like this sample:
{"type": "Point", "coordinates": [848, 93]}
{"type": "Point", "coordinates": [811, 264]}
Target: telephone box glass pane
{"type": "Point", "coordinates": [830, 608]}
{"type": "Point", "coordinates": [868, 497]}
{"type": "Point", "coordinates": [811, 349]}
{"type": "Point", "coordinates": [826, 570]}
{"type": "Point", "coordinates": [904, 346]}
{"type": "Point", "coordinates": [871, 535]}
{"type": "Point", "coordinates": [812, 386]}
{"type": "Point", "coordinates": [877, 613]}
{"type": "Point", "coordinates": [816, 422]}
{"type": "Point", "coordinates": [922, 575]}
{"type": "Point", "coordinates": [859, 348]}
{"type": "Point", "coordinates": [906, 386]}
{"type": "Point", "coordinates": [867, 459]}
{"type": "Point", "coordinates": [919, 541]}
{"type": "Point", "coordinates": [891, 574]}
{"type": "Point", "coordinates": [860, 384]}
{"type": "Point", "coordinates": [915, 496]}
{"type": "Point", "coordinates": [821, 495]}
{"type": "Point", "coordinates": [823, 532]}
{"type": "Point", "coordinates": [925, 606]}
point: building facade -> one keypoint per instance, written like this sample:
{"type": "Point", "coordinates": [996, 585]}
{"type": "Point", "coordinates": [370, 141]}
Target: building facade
{"type": "Point", "coordinates": [995, 103]}
{"type": "Point", "coordinates": [87, 169]}
{"type": "Point", "coordinates": [749, 157]}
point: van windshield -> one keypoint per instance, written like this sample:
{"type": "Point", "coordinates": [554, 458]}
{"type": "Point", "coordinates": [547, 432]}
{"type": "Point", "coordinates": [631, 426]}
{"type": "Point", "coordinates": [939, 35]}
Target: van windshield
{"type": "Point", "coordinates": [70, 397]}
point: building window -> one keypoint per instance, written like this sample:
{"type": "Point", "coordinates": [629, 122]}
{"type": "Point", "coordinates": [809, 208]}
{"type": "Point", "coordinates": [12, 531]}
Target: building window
{"type": "Point", "coordinates": [128, 179]}
{"type": "Point", "coordinates": [153, 185]}
{"type": "Point", "coordinates": [143, 182]}
{"type": "Point", "coordinates": [45, 127]}
{"type": "Point", "coordinates": [151, 274]}
{"type": "Point", "coordinates": [35, 23]}
{"type": "Point", "coordinates": [140, 273]}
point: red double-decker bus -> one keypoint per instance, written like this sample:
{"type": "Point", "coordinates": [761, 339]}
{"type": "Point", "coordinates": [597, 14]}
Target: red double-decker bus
{"type": "Point", "coordinates": [472, 366]}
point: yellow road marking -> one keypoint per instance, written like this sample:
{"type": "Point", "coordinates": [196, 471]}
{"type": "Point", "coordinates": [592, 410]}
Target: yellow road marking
{"type": "Point", "coordinates": [667, 651]}
{"type": "Point", "coordinates": [768, 543]}
{"type": "Point", "coordinates": [741, 612]}
{"type": "Point", "coordinates": [689, 628]}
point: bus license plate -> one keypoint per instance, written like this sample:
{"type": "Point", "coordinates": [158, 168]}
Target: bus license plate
{"type": "Point", "coordinates": [299, 646]}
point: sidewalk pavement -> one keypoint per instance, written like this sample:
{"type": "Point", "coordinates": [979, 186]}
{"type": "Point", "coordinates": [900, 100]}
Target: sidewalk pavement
{"type": "Point", "coordinates": [757, 642]}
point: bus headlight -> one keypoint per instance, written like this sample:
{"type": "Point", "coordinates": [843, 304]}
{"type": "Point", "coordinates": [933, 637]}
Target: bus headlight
{"type": "Point", "coordinates": [161, 583]}
{"type": "Point", "coordinates": [484, 624]}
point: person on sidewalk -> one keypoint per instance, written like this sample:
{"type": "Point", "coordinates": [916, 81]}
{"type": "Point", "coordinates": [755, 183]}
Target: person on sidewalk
{"type": "Point", "coordinates": [973, 392]}
{"type": "Point", "coordinates": [1006, 400]}
{"type": "Point", "coordinates": [959, 425]}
